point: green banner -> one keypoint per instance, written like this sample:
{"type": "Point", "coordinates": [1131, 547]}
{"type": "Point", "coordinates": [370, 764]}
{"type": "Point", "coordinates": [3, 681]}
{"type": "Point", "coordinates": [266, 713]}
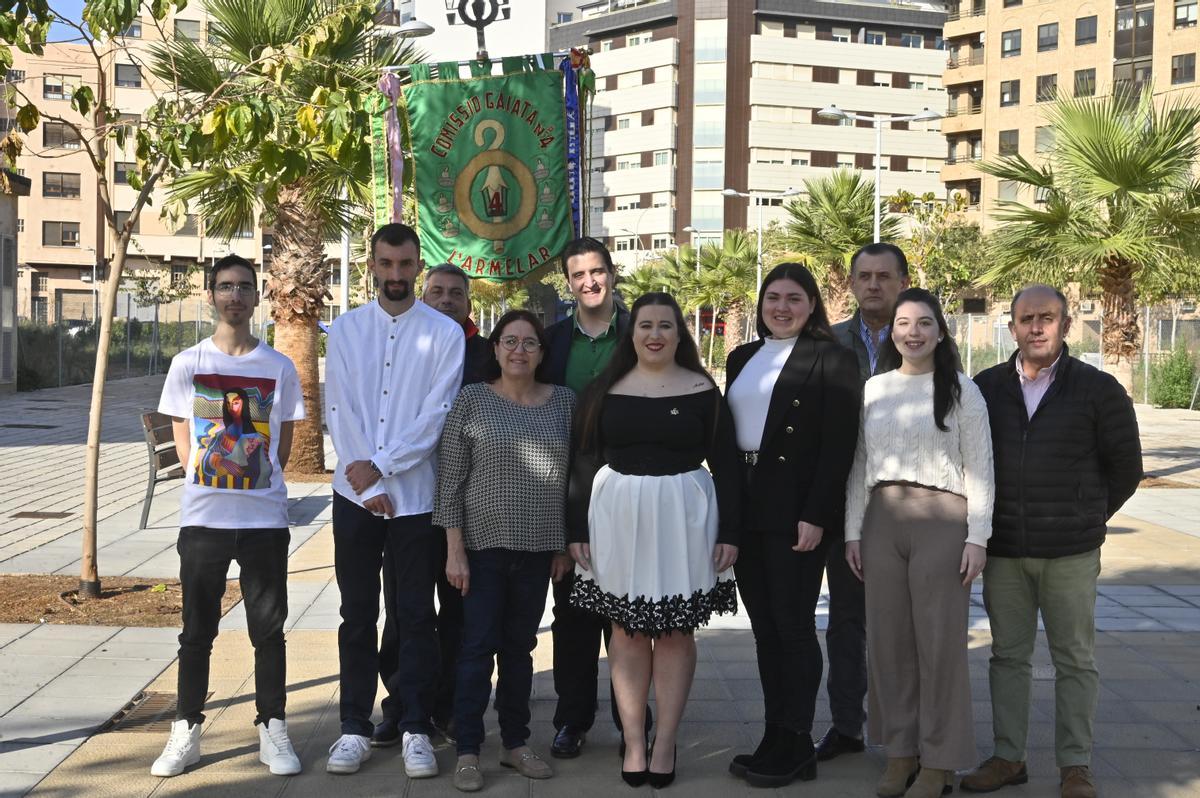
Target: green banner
{"type": "Point", "coordinates": [490, 173]}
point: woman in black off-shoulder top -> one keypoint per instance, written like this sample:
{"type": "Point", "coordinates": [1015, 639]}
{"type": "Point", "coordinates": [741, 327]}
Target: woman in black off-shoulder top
{"type": "Point", "coordinates": [652, 532]}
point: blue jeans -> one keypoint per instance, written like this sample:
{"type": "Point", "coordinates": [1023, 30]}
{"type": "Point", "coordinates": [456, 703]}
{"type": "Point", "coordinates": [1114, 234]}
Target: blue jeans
{"type": "Point", "coordinates": [501, 611]}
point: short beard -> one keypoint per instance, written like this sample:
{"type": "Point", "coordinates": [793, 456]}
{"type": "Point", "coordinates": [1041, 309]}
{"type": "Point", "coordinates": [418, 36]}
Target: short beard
{"type": "Point", "coordinates": [396, 291]}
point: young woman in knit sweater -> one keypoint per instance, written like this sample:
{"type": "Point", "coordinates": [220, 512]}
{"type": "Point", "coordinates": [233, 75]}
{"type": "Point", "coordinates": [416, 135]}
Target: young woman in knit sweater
{"type": "Point", "coordinates": [918, 517]}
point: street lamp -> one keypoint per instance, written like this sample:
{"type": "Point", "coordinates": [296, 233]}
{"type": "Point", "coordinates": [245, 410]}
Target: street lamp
{"type": "Point", "coordinates": [759, 196]}
{"type": "Point", "coordinates": [833, 112]}
{"type": "Point", "coordinates": [691, 231]}
{"type": "Point", "coordinates": [414, 29]}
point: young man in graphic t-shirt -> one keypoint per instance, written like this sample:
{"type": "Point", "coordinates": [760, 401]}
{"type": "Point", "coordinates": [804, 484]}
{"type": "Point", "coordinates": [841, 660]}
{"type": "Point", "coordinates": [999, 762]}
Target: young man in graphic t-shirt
{"type": "Point", "coordinates": [234, 401]}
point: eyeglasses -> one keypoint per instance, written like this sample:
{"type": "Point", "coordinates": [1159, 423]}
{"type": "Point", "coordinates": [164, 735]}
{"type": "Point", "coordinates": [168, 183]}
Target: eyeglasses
{"type": "Point", "coordinates": [528, 345]}
{"type": "Point", "coordinates": [229, 289]}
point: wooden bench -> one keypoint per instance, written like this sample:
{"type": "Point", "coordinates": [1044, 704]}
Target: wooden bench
{"type": "Point", "coordinates": [164, 460]}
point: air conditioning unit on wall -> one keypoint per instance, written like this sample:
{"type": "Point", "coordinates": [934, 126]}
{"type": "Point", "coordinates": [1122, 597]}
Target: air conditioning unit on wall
{"type": "Point", "coordinates": [1087, 306]}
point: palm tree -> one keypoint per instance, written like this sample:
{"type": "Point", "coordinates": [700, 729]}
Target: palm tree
{"type": "Point", "coordinates": [830, 223]}
{"type": "Point", "coordinates": [290, 141]}
{"type": "Point", "coordinates": [682, 280]}
{"type": "Point", "coordinates": [732, 280]}
{"type": "Point", "coordinates": [1116, 206]}
{"type": "Point", "coordinates": [642, 280]}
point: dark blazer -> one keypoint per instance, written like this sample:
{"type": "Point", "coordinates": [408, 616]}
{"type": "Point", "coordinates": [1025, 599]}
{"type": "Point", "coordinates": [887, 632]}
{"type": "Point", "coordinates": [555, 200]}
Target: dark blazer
{"type": "Point", "coordinates": [846, 333]}
{"type": "Point", "coordinates": [1063, 473]}
{"type": "Point", "coordinates": [558, 336]}
{"type": "Point", "coordinates": [479, 353]}
{"type": "Point", "coordinates": [808, 440]}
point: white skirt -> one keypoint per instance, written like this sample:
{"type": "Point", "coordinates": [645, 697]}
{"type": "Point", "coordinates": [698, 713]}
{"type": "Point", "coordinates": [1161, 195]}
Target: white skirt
{"type": "Point", "coordinates": [652, 540]}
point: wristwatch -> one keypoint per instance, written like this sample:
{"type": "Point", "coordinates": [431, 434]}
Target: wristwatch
{"type": "Point", "coordinates": [375, 468]}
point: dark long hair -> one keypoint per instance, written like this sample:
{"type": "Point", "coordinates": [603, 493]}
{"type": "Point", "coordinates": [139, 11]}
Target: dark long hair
{"type": "Point", "coordinates": [624, 358]}
{"type": "Point", "coordinates": [491, 369]}
{"type": "Point", "coordinates": [246, 422]}
{"type": "Point", "coordinates": [947, 391]}
{"type": "Point", "coordinates": [817, 325]}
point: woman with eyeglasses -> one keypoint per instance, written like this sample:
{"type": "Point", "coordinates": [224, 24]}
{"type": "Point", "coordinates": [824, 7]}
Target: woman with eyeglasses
{"type": "Point", "coordinates": [503, 466]}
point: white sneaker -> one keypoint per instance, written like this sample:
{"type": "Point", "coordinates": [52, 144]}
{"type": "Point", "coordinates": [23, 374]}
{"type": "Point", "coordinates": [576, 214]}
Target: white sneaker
{"type": "Point", "coordinates": [182, 750]}
{"type": "Point", "coordinates": [348, 753]}
{"type": "Point", "coordinates": [275, 748]}
{"type": "Point", "coordinates": [419, 761]}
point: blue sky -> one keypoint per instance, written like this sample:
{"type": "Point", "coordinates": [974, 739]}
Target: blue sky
{"type": "Point", "coordinates": [71, 9]}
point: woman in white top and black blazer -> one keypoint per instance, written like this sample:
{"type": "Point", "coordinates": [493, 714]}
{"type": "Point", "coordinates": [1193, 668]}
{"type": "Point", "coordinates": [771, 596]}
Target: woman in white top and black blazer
{"type": "Point", "coordinates": [795, 398]}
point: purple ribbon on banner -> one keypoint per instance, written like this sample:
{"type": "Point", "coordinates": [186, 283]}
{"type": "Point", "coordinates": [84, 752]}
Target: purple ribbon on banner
{"type": "Point", "coordinates": [574, 143]}
{"type": "Point", "coordinates": [389, 84]}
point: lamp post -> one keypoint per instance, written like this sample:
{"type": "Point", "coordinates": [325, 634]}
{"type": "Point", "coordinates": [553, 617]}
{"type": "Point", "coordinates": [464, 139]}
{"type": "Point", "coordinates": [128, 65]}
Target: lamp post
{"type": "Point", "coordinates": [833, 112]}
{"type": "Point", "coordinates": [691, 231]}
{"type": "Point", "coordinates": [758, 197]}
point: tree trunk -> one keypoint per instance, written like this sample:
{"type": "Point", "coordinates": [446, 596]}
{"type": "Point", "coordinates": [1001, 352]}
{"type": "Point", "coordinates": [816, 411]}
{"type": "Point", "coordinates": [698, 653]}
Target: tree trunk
{"type": "Point", "coordinates": [837, 294]}
{"type": "Point", "coordinates": [1122, 333]}
{"type": "Point", "coordinates": [712, 335]}
{"type": "Point", "coordinates": [298, 294]}
{"type": "Point", "coordinates": [735, 323]}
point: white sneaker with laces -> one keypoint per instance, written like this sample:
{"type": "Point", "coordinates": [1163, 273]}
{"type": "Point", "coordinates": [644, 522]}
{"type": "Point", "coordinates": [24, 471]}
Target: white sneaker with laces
{"type": "Point", "coordinates": [348, 753]}
{"type": "Point", "coordinates": [275, 748]}
{"type": "Point", "coordinates": [182, 750]}
{"type": "Point", "coordinates": [419, 761]}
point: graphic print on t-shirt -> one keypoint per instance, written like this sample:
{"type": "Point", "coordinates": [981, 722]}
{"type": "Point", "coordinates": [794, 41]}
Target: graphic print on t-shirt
{"type": "Point", "coordinates": [233, 431]}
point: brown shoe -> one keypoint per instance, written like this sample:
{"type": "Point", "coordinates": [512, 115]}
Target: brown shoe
{"type": "Point", "coordinates": [931, 783]}
{"type": "Point", "coordinates": [993, 774]}
{"type": "Point", "coordinates": [1077, 782]}
{"type": "Point", "coordinates": [896, 778]}
{"type": "Point", "coordinates": [526, 762]}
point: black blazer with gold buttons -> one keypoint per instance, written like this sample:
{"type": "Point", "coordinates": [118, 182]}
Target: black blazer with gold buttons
{"type": "Point", "coordinates": [808, 438]}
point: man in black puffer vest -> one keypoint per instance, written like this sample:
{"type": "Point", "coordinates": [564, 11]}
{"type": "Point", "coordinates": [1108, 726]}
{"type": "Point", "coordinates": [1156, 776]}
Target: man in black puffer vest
{"type": "Point", "coordinates": [1067, 456]}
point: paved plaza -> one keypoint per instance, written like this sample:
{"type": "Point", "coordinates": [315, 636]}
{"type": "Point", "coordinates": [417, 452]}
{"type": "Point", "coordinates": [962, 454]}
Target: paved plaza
{"type": "Point", "coordinates": [60, 686]}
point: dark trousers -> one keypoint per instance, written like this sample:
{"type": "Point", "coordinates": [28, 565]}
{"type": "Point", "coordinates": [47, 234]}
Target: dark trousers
{"type": "Point", "coordinates": [362, 541]}
{"type": "Point", "coordinates": [204, 558]}
{"type": "Point", "coordinates": [501, 612]}
{"type": "Point", "coordinates": [449, 629]}
{"type": "Point", "coordinates": [846, 643]}
{"type": "Point", "coordinates": [780, 588]}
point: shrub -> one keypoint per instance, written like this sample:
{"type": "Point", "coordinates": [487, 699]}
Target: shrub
{"type": "Point", "coordinates": [1173, 380]}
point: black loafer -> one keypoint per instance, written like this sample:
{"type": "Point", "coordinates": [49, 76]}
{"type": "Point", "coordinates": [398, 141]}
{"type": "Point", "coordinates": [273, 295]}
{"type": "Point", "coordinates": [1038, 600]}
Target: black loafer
{"type": "Point", "coordinates": [568, 743]}
{"type": "Point", "coordinates": [387, 733]}
{"type": "Point", "coordinates": [834, 744]}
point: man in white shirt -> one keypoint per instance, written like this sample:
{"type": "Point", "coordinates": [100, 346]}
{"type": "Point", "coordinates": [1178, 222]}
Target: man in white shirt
{"type": "Point", "coordinates": [233, 401]}
{"type": "Point", "coordinates": [392, 371]}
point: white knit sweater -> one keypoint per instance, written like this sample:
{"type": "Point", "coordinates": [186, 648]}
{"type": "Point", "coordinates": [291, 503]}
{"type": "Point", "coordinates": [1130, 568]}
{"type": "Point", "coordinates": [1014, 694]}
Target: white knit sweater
{"type": "Point", "coordinates": [898, 441]}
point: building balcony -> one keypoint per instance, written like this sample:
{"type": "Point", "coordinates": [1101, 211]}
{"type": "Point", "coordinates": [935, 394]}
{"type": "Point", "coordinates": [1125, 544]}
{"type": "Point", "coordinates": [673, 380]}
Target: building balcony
{"type": "Point", "coordinates": [965, 19]}
{"type": "Point", "coordinates": [962, 119]}
{"type": "Point", "coordinates": [961, 168]}
{"type": "Point", "coordinates": [964, 69]}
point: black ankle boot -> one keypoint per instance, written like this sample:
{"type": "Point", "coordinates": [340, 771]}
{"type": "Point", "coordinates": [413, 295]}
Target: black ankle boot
{"type": "Point", "coordinates": [792, 757]}
{"type": "Point", "coordinates": [743, 762]}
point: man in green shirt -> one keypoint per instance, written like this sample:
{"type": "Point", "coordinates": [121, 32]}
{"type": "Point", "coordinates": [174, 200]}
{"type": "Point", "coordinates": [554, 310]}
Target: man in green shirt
{"type": "Point", "coordinates": [579, 347]}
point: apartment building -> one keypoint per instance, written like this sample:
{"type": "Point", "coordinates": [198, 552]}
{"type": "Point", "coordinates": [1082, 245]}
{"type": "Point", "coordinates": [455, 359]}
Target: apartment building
{"type": "Point", "coordinates": [698, 97]}
{"type": "Point", "coordinates": [64, 242]}
{"type": "Point", "coordinates": [1008, 57]}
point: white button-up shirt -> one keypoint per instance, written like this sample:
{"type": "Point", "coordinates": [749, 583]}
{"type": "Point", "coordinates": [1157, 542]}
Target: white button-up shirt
{"type": "Point", "coordinates": [389, 383]}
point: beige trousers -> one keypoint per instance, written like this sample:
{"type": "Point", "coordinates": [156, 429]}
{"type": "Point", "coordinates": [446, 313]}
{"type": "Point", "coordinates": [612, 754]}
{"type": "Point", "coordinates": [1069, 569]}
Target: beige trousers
{"type": "Point", "coordinates": [919, 690]}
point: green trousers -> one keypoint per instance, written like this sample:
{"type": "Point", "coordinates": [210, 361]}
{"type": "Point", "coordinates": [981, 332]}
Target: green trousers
{"type": "Point", "coordinates": [1064, 589]}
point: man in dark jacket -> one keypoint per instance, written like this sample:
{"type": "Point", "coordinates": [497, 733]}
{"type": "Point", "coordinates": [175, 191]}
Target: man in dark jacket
{"type": "Point", "coordinates": [1067, 456]}
{"type": "Point", "coordinates": [878, 273]}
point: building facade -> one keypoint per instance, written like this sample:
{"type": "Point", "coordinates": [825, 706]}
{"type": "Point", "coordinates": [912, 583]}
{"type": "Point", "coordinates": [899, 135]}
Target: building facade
{"type": "Point", "coordinates": [695, 98]}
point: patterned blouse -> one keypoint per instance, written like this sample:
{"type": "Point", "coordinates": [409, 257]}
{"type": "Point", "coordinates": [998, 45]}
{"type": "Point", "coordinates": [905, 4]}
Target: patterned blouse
{"type": "Point", "coordinates": [503, 469]}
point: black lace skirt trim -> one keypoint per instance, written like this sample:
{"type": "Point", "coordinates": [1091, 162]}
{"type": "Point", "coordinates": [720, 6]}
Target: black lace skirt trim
{"type": "Point", "coordinates": [656, 618]}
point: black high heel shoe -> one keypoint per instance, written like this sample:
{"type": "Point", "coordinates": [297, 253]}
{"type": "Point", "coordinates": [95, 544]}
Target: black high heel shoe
{"type": "Point", "coordinates": [635, 778]}
{"type": "Point", "coordinates": [660, 780]}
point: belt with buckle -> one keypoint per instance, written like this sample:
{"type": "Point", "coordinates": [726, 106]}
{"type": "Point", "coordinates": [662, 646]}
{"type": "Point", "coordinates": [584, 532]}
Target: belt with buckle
{"type": "Point", "coordinates": [750, 458]}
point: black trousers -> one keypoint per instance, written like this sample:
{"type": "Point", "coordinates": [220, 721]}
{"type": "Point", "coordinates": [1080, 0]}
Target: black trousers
{"type": "Point", "coordinates": [362, 542]}
{"type": "Point", "coordinates": [204, 558]}
{"type": "Point", "coordinates": [449, 629]}
{"type": "Point", "coordinates": [846, 643]}
{"type": "Point", "coordinates": [780, 588]}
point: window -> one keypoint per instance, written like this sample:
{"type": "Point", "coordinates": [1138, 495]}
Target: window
{"type": "Point", "coordinates": [710, 91]}
{"type": "Point", "coordinates": [874, 37]}
{"type": "Point", "coordinates": [622, 123]}
{"type": "Point", "coordinates": [129, 75]}
{"type": "Point", "coordinates": [15, 75]}
{"type": "Point", "coordinates": [58, 135]}
{"type": "Point", "coordinates": [709, 134]}
{"type": "Point", "coordinates": [916, 84]}
{"type": "Point", "coordinates": [190, 226]}
{"type": "Point", "coordinates": [40, 309]}
{"type": "Point", "coordinates": [1010, 93]}
{"type": "Point", "coordinates": [1009, 142]}
{"type": "Point", "coordinates": [1085, 30]}
{"type": "Point", "coordinates": [59, 87]}
{"type": "Point", "coordinates": [121, 170]}
{"type": "Point", "coordinates": [245, 232]}
{"type": "Point", "coordinates": [1010, 43]}
{"type": "Point", "coordinates": [801, 161]}
{"type": "Point", "coordinates": [939, 43]}
{"type": "Point", "coordinates": [134, 31]}
{"type": "Point", "coordinates": [628, 203]}
{"type": "Point", "coordinates": [64, 185]}
{"type": "Point", "coordinates": [1183, 68]}
{"type": "Point", "coordinates": [606, 45]}
{"type": "Point", "coordinates": [564, 17]}
{"type": "Point", "coordinates": [660, 242]}
{"type": "Point", "coordinates": [1011, 3]}
{"type": "Point", "coordinates": [628, 162]}
{"type": "Point", "coordinates": [1085, 82]}
{"type": "Point", "coordinates": [187, 29]}
{"type": "Point", "coordinates": [60, 234]}
{"type": "Point", "coordinates": [1185, 13]}
{"type": "Point", "coordinates": [625, 245]}
{"type": "Point", "coordinates": [1043, 139]}
{"type": "Point", "coordinates": [1047, 37]}
{"type": "Point", "coordinates": [634, 39]}
{"type": "Point", "coordinates": [1047, 88]}
{"type": "Point", "coordinates": [841, 34]}
{"type": "Point", "coordinates": [708, 174]}
{"type": "Point", "coordinates": [825, 74]}
{"type": "Point", "coordinates": [41, 282]}
{"type": "Point", "coordinates": [844, 161]}
{"type": "Point", "coordinates": [121, 218]}
{"type": "Point", "coordinates": [914, 40]}
{"type": "Point", "coordinates": [1008, 190]}
{"type": "Point", "coordinates": [662, 158]}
